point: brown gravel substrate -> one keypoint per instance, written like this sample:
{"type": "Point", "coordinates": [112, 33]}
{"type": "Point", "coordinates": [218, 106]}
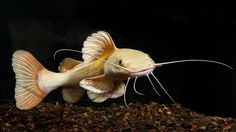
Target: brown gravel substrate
{"type": "Point", "coordinates": [142, 117]}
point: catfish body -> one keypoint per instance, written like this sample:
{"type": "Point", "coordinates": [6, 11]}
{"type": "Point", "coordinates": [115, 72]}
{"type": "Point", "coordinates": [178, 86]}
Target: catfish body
{"type": "Point", "coordinates": [101, 73]}
{"type": "Point", "coordinates": [100, 79]}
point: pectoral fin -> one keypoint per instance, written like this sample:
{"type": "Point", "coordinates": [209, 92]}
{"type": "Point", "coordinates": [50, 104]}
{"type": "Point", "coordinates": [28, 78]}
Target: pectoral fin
{"type": "Point", "coordinates": [99, 84]}
{"type": "Point", "coordinates": [117, 91]}
{"type": "Point", "coordinates": [100, 88]}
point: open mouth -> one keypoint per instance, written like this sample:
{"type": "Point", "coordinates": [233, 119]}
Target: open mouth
{"type": "Point", "coordinates": [141, 72]}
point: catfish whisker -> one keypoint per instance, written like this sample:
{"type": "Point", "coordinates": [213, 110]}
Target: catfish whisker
{"type": "Point", "coordinates": [152, 84]}
{"type": "Point", "coordinates": [162, 87]}
{"type": "Point", "coordinates": [134, 86]}
{"type": "Point", "coordinates": [127, 83]}
{"type": "Point", "coordinates": [78, 51]}
{"type": "Point", "coordinates": [193, 60]}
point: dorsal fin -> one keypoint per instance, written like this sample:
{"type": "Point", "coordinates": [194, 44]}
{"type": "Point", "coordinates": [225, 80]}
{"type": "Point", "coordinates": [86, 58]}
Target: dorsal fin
{"type": "Point", "coordinates": [99, 44]}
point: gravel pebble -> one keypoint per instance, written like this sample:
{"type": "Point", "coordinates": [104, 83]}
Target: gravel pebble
{"type": "Point", "coordinates": [142, 117]}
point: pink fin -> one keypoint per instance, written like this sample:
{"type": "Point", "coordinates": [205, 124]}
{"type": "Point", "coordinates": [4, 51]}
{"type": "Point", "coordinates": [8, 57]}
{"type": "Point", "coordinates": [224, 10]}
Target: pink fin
{"type": "Point", "coordinates": [27, 92]}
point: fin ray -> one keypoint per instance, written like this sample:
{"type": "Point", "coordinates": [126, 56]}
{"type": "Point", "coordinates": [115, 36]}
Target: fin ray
{"type": "Point", "coordinates": [118, 90]}
{"type": "Point", "coordinates": [26, 68]}
{"type": "Point", "coordinates": [98, 97]}
{"type": "Point", "coordinates": [97, 84]}
{"type": "Point", "coordinates": [72, 94]}
{"type": "Point", "coordinates": [99, 44]}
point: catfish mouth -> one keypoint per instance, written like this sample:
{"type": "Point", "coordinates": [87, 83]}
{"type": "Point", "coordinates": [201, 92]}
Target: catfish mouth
{"type": "Point", "coordinates": [142, 72]}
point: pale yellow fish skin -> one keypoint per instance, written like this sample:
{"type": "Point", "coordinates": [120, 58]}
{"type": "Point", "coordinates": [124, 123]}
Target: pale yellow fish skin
{"type": "Point", "coordinates": [102, 61]}
{"type": "Point", "coordinates": [83, 70]}
{"type": "Point", "coordinates": [137, 63]}
{"type": "Point", "coordinates": [125, 62]}
{"type": "Point", "coordinates": [134, 60]}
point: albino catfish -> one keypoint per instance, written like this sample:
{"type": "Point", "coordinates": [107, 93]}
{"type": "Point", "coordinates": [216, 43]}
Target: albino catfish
{"type": "Point", "coordinates": [101, 73]}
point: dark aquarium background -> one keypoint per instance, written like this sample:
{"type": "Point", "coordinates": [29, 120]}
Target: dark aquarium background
{"type": "Point", "coordinates": [167, 33]}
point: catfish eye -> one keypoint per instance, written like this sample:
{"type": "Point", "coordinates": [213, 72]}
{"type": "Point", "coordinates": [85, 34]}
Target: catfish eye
{"type": "Point", "coordinates": [120, 62]}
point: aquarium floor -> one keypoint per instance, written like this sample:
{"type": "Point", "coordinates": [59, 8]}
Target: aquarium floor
{"type": "Point", "coordinates": [151, 116]}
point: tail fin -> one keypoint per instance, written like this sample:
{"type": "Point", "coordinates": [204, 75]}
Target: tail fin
{"type": "Point", "coordinates": [27, 91]}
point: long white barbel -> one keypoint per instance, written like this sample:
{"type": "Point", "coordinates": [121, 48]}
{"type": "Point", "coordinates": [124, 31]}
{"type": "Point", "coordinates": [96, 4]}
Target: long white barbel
{"type": "Point", "coordinates": [192, 60]}
{"type": "Point", "coordinates": [54, 56]}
